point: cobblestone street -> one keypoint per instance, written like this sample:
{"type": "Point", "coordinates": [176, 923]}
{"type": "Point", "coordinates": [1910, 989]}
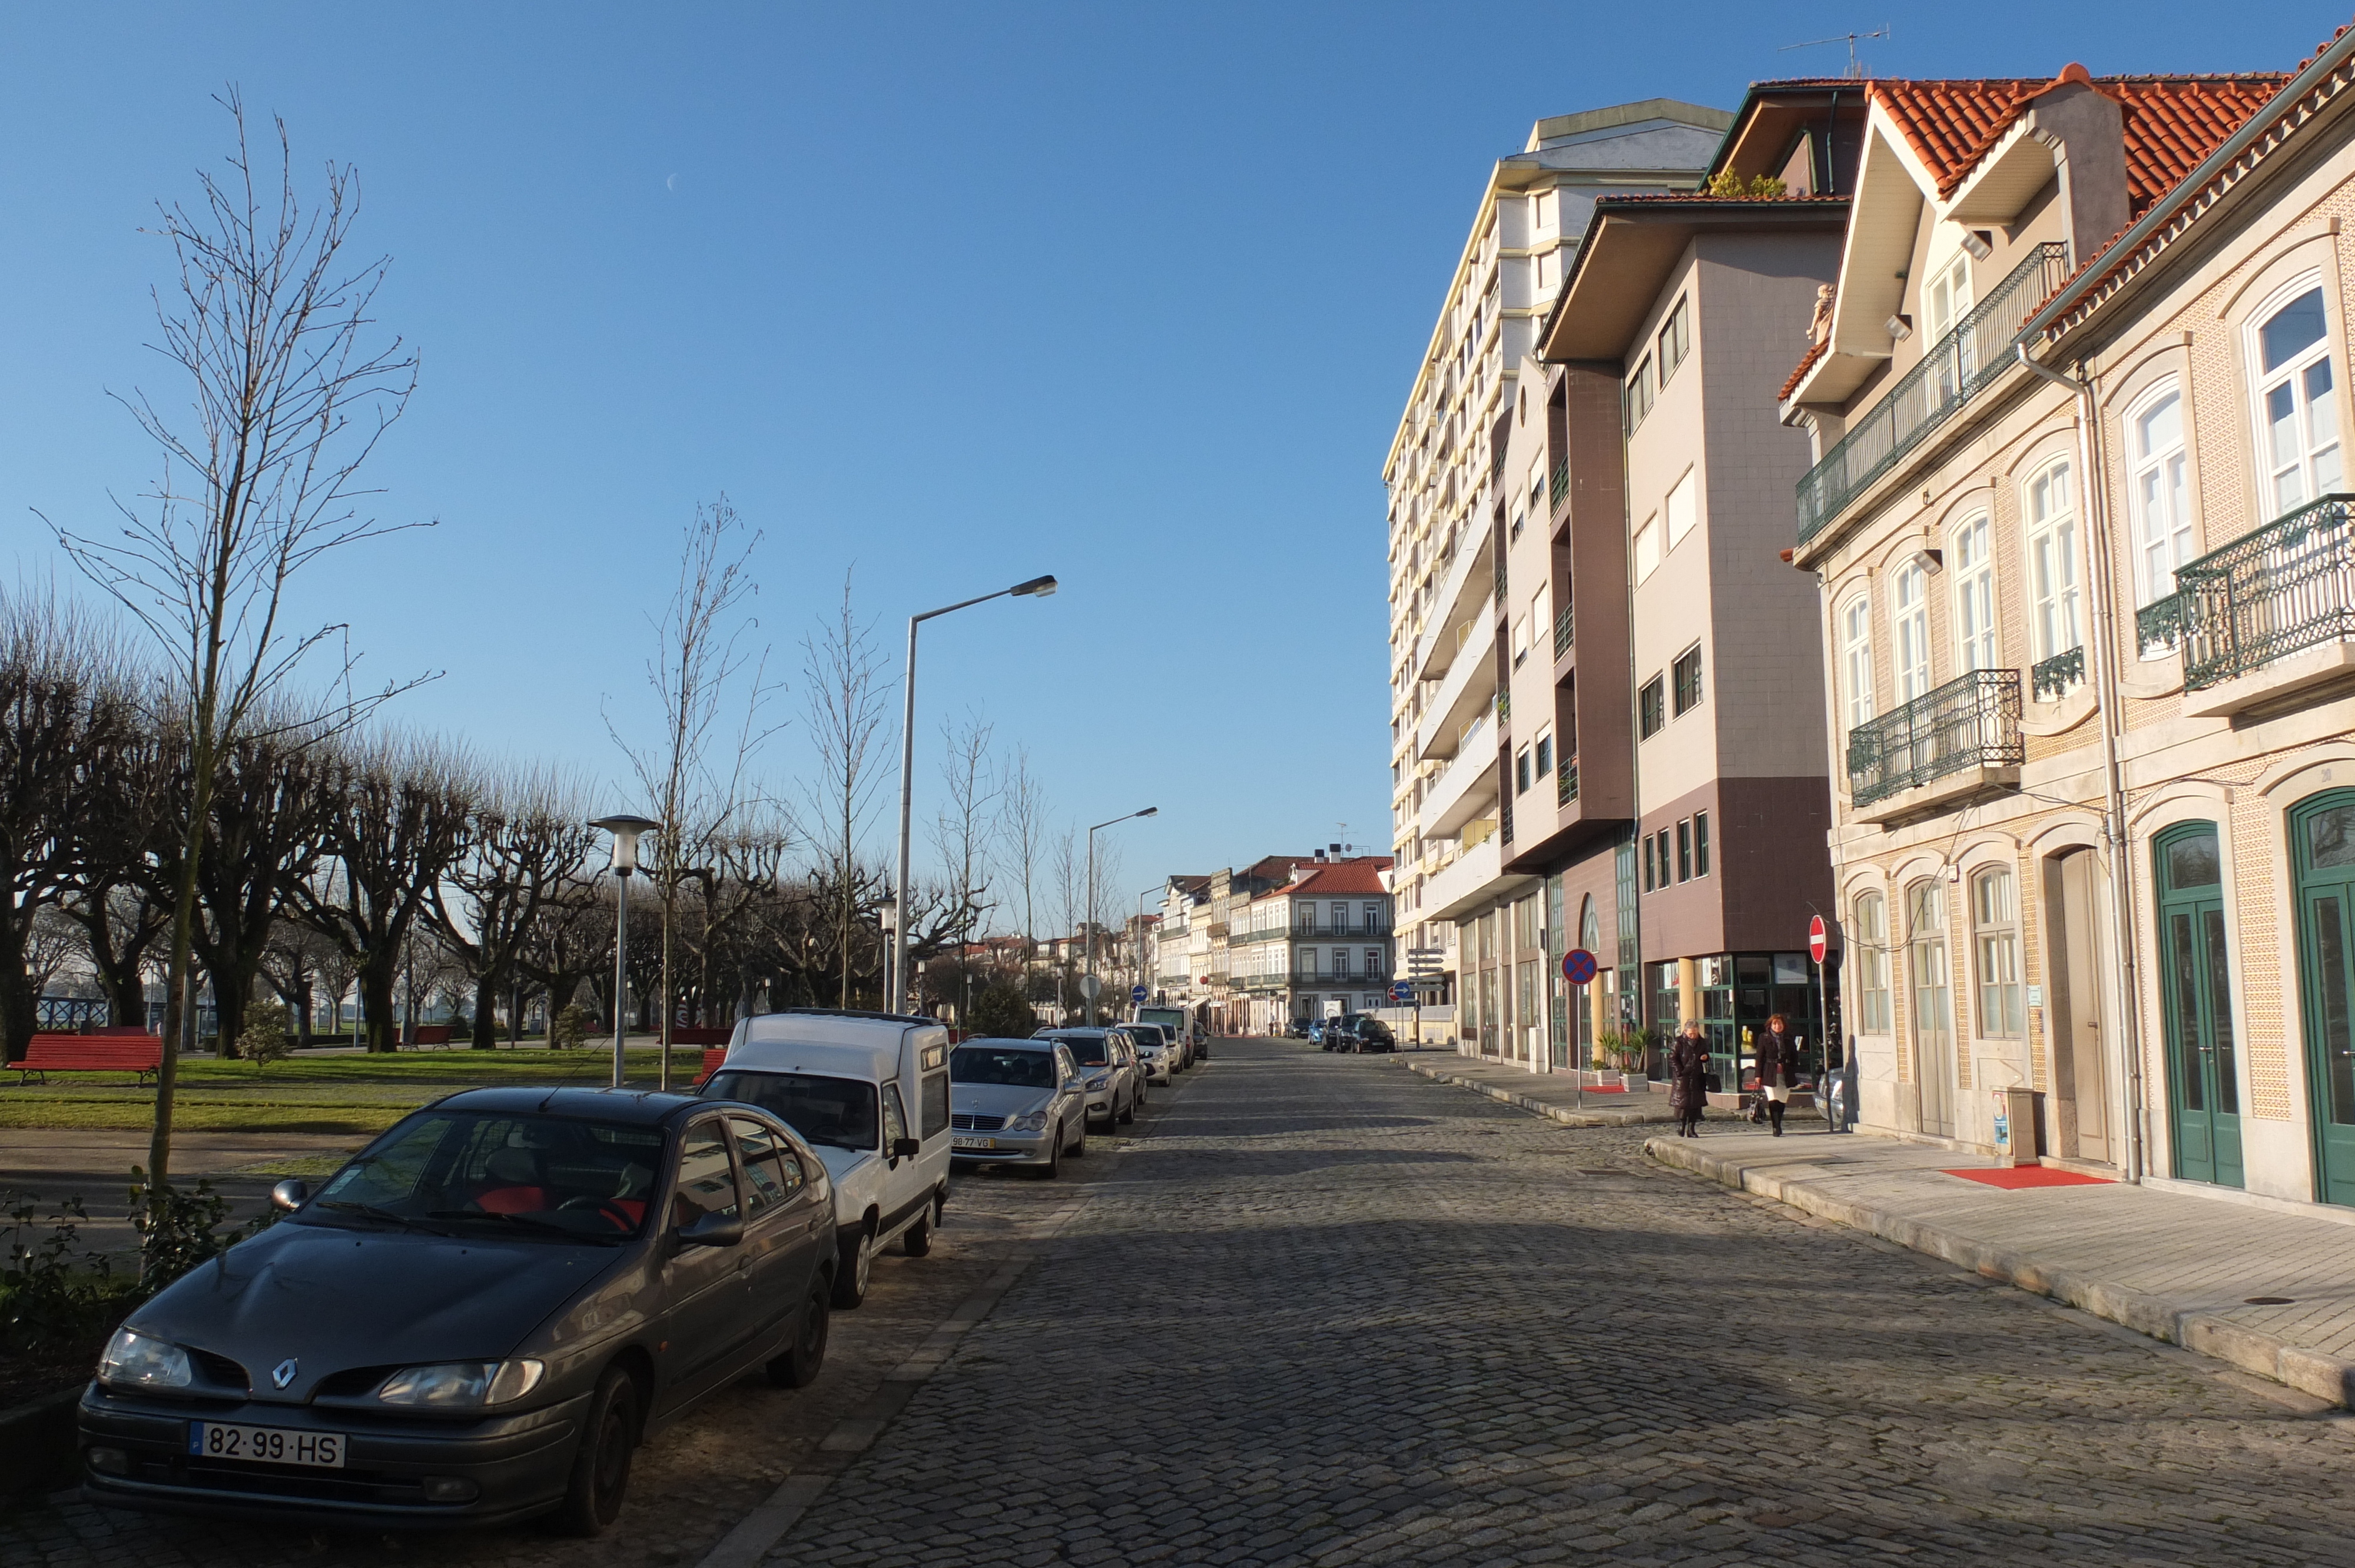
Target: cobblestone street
{"type": "Point", "coordinates": [1325, 1311]}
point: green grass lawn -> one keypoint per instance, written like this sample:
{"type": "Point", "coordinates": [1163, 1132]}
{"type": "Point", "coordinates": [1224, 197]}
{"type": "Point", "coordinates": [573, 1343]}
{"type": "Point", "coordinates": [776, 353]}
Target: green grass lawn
{"type": "Point", "coordinates": [355, 1094]}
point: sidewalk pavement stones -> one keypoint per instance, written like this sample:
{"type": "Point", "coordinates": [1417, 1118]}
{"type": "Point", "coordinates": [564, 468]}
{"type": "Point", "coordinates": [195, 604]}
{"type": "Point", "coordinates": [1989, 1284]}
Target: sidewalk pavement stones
{"type": "Point", "coordinates": [1554, 1094]}
{"type": "Point", "coordinates": [2179, 1267]}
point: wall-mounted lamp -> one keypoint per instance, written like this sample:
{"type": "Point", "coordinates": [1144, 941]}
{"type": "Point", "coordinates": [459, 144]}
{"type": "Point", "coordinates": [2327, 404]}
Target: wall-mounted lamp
{"type": "Point", "coordinates": [1979, 242]}
{"type": "Point", "coordinates": [1900, 326]}
{"type": "Point", "coordinates": [1930, 561]}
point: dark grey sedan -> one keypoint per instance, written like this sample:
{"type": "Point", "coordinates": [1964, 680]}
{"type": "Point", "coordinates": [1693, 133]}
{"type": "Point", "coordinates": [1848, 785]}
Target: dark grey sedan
{"type": "Point", "coordinates": [476, 1320]}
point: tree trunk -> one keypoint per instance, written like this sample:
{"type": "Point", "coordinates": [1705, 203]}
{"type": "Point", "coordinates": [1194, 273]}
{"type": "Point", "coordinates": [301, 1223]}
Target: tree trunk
{"type": "Point", "coordinates": [376, 980]}
{"type": "Point", "coordinates": [487, 1024]}
{"type": "Point", "coordinates": [19, 1000]}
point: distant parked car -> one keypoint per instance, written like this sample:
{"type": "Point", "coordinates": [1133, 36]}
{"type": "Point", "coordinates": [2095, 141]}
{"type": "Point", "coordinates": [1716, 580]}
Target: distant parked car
{"type": "Point", "coordinates": [1108, 1063]}
{"type": "Point", "coordinates": [1016, 1102]}
{"type": "Point", "coordinates": [1156, 1058]}
{"type": "Point", "coordinates": [1296, 1030]}
{"type": "Point", "coordinates": [1368, 1033]}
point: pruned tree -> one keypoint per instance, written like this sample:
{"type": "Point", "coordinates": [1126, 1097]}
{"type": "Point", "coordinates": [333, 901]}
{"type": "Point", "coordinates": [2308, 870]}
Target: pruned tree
{"type": "Point", "coordinates": [844, 689]}
{"type": "Point", "coordinates": [961, 834]}
{"type": "Point", "coordinates": [529, 845]}
{"type": "Point", "coordinates": [568, 940]}
{"type": "Point", "coordinates": [1022, 832]}
{"type": "Point", "coordinates": [286, 398]}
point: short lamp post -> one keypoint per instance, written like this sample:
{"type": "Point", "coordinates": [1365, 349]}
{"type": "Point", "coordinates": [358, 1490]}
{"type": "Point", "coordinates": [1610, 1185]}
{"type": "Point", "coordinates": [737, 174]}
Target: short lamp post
{"type": "Point", "coordinates": [1130, 817]}
{"type": "Point", "coordinates": [894, 978]}
{"type": "Point", "coordinates": [626, 830]}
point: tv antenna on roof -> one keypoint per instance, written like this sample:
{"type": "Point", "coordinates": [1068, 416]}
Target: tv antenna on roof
{"type": "Point", "coordinates": [1855, 66]}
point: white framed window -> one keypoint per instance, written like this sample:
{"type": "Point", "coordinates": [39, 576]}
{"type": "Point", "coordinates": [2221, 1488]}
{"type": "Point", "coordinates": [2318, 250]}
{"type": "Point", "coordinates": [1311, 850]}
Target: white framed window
{"type": "Point", "coordinates": [1648, 548]}
{"type": "Point", "coordinates": [1684, 507]}
{"type": "Point", "coordinates": [1537, 483]}
{"type": "Point", "coordinates": [1521, 639]}
{"type": "Point", "coordinates": [1675, 338]}
{"type": "Point", "coordinates": [1868, 950]}
{"type": "Point", "coordinates": [2052, 608]}
{"type": "Point", "coordinates": [1995, 930]}
{"type": "Point", "coordinates": [2161, 489]}
{"type": "Point", "coordinates": [1641, 392]}
{"type": "Point", "coordinates": [1974, 596]}
{"type": "Point", "coordinates": [2297, 401]}
{"type": "Point", "coordinates": [1946, 297]}
{"type": "Point", "coordinates": [1856, 658]}
{"type": "Point", "coordinates": [1909, 619]}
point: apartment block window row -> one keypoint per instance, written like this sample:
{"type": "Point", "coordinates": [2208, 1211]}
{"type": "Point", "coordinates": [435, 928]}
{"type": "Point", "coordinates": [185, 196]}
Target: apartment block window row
{"type": "Point", "coordinates": [1678, 854]}
{"type": "Point", "coordinates": [1686, 673]}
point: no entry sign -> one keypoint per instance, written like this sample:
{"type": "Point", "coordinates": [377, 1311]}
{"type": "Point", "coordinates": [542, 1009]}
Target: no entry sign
{"type": "Point", "coordinates": [1818, 939]}
{"type": "Point", "coordinates": [1578, 966]}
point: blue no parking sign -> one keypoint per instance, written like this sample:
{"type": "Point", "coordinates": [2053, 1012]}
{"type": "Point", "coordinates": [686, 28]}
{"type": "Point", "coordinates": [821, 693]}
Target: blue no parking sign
{"type": "Point", "coordinates": [1578, 966]}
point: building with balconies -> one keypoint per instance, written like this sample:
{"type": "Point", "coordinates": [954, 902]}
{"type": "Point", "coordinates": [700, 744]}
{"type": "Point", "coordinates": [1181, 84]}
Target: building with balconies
{"type": "Point", "coordinates": [2080, 570]}
{"type": "Point", "coordinates": [1454, 494]}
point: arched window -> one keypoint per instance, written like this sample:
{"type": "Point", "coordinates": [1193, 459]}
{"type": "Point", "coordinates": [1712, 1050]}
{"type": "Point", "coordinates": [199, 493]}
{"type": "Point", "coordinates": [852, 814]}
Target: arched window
{"type": "Point", "coordinates": [1856, 658]}
{"type": "Point", "coordinates": [2162, 491]}
{"type": "Point", "coordinates": [1973, 597]}
{"type": "Point", "coordinates": [1867, 958]}
{"type": "Point", "coordinates": [1911, 620]}
{"type": "Point", "coordinates": [1995, 932]}
{"type": "Point", "coordinates": [2297, 406]}
{"type": "Point", "coordinates": [2052, 512]}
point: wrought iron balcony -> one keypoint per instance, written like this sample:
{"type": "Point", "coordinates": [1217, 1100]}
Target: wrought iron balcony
{"type": "Point", "coordinates": [2286, 586]}
{"type": "Point", "coordinates": [1972, 721]}
{"type": "Point", "coordinates": [1565, 781]}
{"type": "Point", "coordinates": [2159, 624]}
{"type": "Point", "coordinates": [2051, 678]}
{"type": "Point", "coordinates": [1957, 365]}
{"type": "Point", "coordinates": [1564, 631]}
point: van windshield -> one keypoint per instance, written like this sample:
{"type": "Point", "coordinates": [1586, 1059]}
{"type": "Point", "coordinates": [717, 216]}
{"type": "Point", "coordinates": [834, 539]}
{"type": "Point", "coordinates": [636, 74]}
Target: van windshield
{"type": "Point", "coordinates": [836, 1111]}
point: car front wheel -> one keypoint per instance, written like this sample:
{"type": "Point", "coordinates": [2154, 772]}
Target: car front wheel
{"type": "Point", "coordinates": [601, 1467]}
{"type": "Point", "coordinates": [858, 1265]}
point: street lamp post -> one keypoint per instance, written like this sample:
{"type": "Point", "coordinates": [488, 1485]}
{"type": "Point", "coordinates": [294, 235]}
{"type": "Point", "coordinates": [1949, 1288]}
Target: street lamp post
{"type": "Point", "coordinates": [626, 830]}
{"type": "Point", "coordinates": [1130, 816]}
{"type": "Point", "coordinates": [894, 981]}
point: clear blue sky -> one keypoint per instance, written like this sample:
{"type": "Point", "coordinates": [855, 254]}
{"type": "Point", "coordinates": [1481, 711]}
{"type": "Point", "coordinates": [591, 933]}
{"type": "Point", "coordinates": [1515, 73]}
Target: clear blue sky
{"type": "Point", "coordinates": [951, 293]}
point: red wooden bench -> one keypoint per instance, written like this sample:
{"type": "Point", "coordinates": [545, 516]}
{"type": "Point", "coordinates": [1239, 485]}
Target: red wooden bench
{"type": "Point", "coordinates": [47, 1053]}
{"type": "Point", "coordinates": [701, 1034]}
{"type": "Point", "coordinates": [430, 1034]}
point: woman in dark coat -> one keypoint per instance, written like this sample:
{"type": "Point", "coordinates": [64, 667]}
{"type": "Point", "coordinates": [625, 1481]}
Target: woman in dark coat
{"type": "Point", "coordinates": [1689, 1080]}
{"type": "Point", "coordinates": [1778, 1068]}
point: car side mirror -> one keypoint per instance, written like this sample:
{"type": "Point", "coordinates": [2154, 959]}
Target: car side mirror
{"type": "Point", "coordinates": [289, 1195]}
{"type": "Point", "coordinates": [712, 1229]}
{"type": "Point", "coordinates": [907, 1148]}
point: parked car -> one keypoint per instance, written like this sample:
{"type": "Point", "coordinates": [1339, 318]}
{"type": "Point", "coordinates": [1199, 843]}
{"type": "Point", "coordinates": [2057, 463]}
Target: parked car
{"type": "Point", "coordinates": [870, 1093]}
{"type": "Point", "coordinates": [1299, 1028]}
{"type": "Point", "coordinates": [1108, 1063]}
{"type": "Point", "coordinates": [476, 1319]}
{"type": "Point", "coordinates": [1016, 1102]}
{"type": "Point", "coordinates": [1156, 1058]}
{"type": "Point", "coordinates": [1363, 1031]}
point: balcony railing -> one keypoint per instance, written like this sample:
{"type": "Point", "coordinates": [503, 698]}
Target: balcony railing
{"type": "Point", "coordinates": [1504, 707]}
{"type": "Point", "coordinates": [1972, 721]}
{"type": "Point", "coordinates": [1560, 484]}
{"type": "Point", "coordinates": [1967, 358]}
{"type": "Point", "coordinates": [2159, 624]}
{"type": "Point", "coordinates": [2051, 678]}
{"type": "Point", "coordinates": [1500, 581]}
{"type": "Point", "coordinates": [2288, 585]}
{"type": "Point", "coordinates": [1504, 817]}
{"type": "Point", "coordinates": [1564, 631]}
{"type": "Point", "coordinates": [1565, 781]}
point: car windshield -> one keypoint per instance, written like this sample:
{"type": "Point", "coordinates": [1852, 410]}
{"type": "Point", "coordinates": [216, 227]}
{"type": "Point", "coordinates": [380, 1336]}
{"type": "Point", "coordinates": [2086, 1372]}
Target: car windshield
{"type": "Point", "coordinates": [1169, 1016]}
{"type": "Point", "coordinates": [530, 1175]}
{"type": "Point", "coordinates": [1087, 1050]}
{"type": "Point", "coordinates": [1009, 1064]}
{"type": "Point", "coordinates": [838, 1112]}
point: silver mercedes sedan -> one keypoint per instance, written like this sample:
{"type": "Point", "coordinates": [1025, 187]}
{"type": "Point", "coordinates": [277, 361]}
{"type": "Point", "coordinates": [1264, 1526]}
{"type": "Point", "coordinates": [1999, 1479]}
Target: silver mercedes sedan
{"type": "Point", "coordinates": [1016, 1102]}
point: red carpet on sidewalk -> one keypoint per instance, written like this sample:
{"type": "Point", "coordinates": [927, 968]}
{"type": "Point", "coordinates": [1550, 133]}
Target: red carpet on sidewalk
{"type": "Point", "coordinates": [2013, 1180]}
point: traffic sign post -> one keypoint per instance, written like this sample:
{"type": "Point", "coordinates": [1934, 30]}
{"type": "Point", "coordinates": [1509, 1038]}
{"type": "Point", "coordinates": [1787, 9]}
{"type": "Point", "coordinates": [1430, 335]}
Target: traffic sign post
{"type": "Point", "coordinates": [1137, 993]}
{"type": "Point", "coordinates": [1819, 947]}
{"type": "Point", "coordinates": [1578, 966]}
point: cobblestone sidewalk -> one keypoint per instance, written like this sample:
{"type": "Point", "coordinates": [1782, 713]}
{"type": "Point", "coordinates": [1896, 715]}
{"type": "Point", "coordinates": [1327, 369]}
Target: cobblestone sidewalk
{"type": "Point", "coordinates": [2179, 1267]}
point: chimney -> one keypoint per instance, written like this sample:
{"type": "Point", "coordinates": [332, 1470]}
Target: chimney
{"type": "Point", "coordinates": [2085, 129]}
{"type": "Point", "coordinates": [1334, 851]}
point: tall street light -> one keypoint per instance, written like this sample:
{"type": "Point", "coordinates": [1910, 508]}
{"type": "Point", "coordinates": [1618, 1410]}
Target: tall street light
{"type": "Point", "coordinates": [894, 978]}
{"type": "Point", "coordinates": [626, 830]}
{"type": "Point", "coordinates": [1131, 817]}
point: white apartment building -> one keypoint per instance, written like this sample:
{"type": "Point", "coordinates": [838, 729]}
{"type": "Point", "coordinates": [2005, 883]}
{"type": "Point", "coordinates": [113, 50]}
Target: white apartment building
{"type": "Point", "coordinates": [1451, 495]}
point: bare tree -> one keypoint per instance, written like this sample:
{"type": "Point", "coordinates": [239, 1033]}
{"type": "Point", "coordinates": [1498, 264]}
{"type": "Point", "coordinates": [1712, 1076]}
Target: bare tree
{"type": "Point", "coordinates": [1022, 828]}
{"type": "Point", "coordinates": [270, 323]}
{"type": "Point", "coordinates": [845, 688]}
{"type": "Point", "coordinates": [530, 844]}
{"type": "Point", "coordinates": [961, 834]}
{"type": "Point", "coordinates": [702, 659]}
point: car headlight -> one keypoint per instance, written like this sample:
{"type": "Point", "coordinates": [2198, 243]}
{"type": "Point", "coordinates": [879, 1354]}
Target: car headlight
{"type": "Point", "coordinates": [1100, 1080]}
{"type": "Point", "coordinates": [461, 1386]}
{"type": "Point", "coordinates": [134, 1360]}
{"type": "Point", "coordinates": [1034, 1122]}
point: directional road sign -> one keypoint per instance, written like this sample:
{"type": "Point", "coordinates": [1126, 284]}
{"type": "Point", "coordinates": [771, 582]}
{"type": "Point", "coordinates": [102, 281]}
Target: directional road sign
{"type": "Point", "coordinates": [1401, 992]}
{"type": "Point", "coordinates": [1137, 993]}
{"type": "Point", "coordinates": [1578, 966]}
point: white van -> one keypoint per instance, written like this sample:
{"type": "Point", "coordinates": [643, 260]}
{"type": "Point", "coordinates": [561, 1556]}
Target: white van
{"type": "Point", "coordinates": [869, 1092]}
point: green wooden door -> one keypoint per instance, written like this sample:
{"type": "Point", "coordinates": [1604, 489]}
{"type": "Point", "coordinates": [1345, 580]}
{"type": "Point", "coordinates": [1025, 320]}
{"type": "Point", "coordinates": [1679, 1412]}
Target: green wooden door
{"type": "Point", "coordinates": [2322, 843]}
{"type": "Point", "coordinates": [2202, 1070]}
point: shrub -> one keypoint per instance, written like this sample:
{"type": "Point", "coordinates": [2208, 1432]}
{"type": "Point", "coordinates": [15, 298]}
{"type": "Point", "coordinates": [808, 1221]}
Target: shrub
{"type": "Point", "coordinates": [1002, 1012]}
{"type": "Point", "coordinates": [262, 1037]}
{"type": "Point", "coordinates": [53, 1296]}
{"type": "Point", "coordinates": [1729, 183]}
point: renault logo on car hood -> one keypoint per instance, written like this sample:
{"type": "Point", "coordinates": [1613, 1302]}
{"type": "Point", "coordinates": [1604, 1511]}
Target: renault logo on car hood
{"type": "Point", "coordinates": [283, 1373]}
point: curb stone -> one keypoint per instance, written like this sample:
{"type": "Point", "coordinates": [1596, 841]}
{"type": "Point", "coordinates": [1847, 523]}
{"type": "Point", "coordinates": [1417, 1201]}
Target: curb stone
{"type": "Point", "coordinates": [1562, 1114]}
{"type": "Point", "coordinates": [2325, 1377]}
